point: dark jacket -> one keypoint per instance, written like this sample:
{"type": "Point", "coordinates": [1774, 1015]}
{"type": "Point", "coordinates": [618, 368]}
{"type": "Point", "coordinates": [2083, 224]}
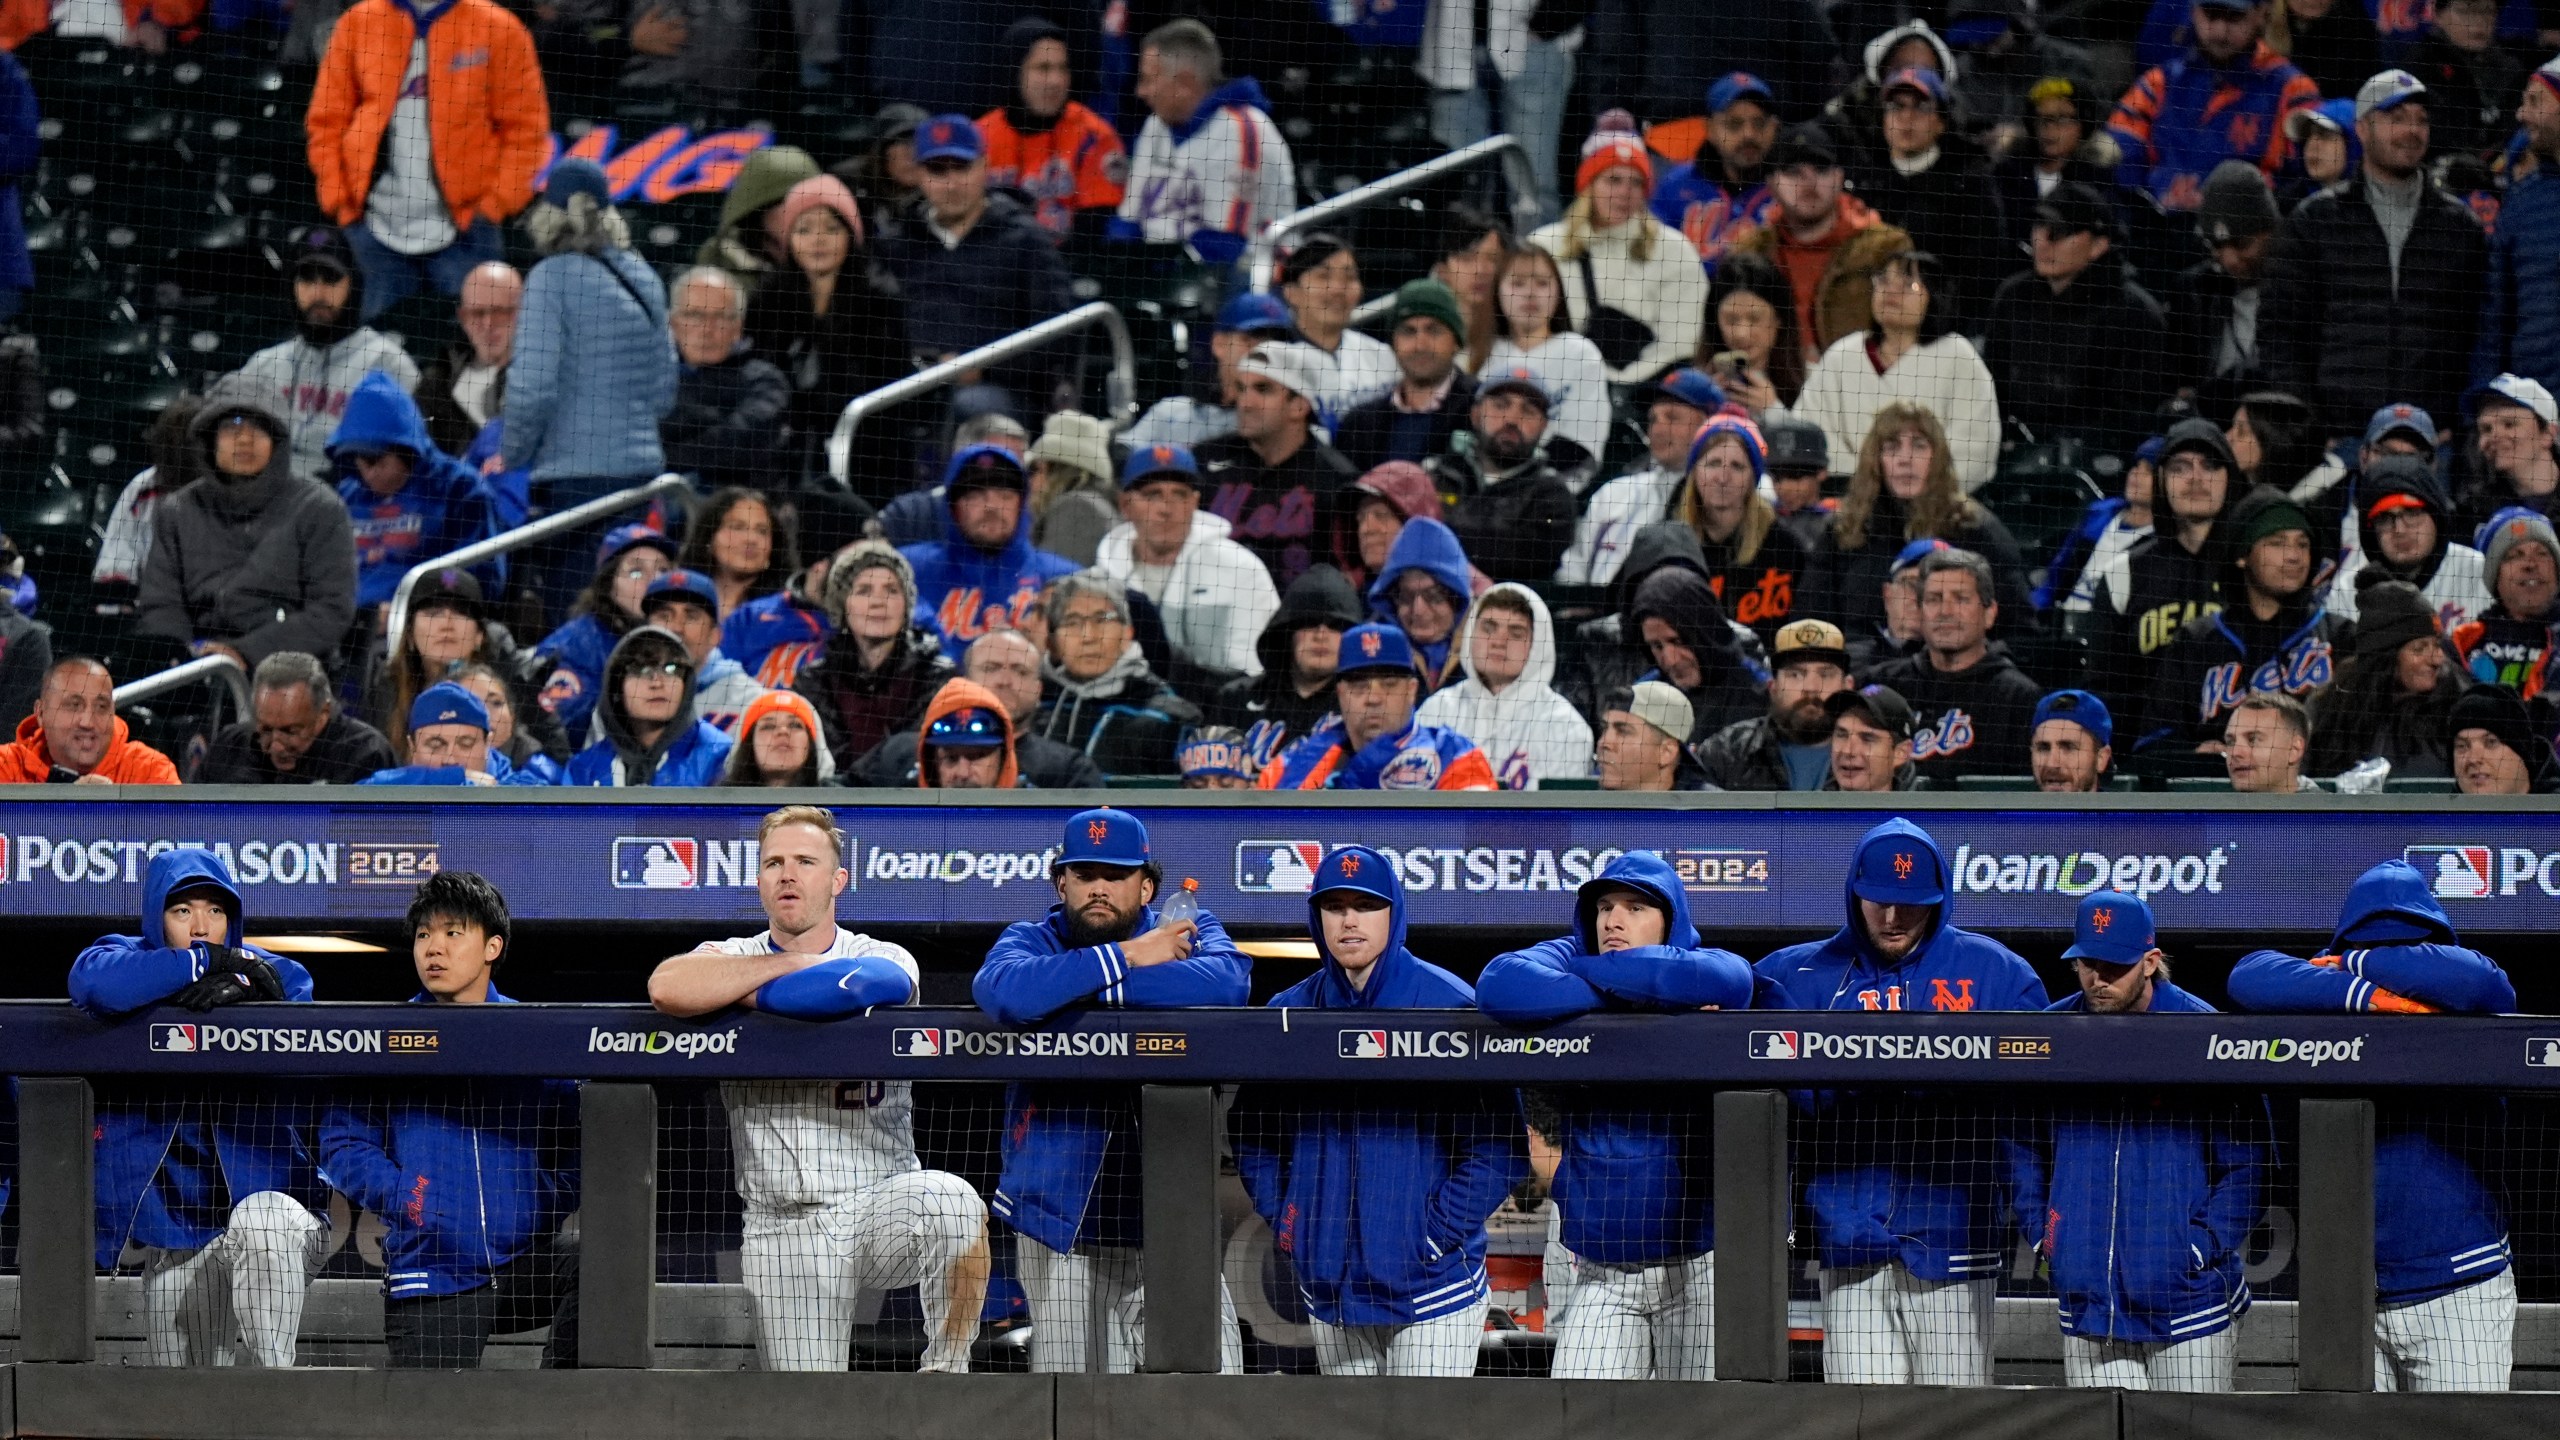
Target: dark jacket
{"type": "Point", "coordinates": [1274, 510]}
{"type": "Point", "coordinates": [2014, 181]}
{"type": "Point", "coordinates": [2471, 96]}
{"type": "Point", "coordinates": [265, 563]}
{"type": "Point", "coordinates": [1727, 688]}
{"type": "Point", "coordinates": [1743, 756]}
{"type": "Point", "coordinates": [2336, 331]}
{"type": "Point", "coordinates": [1370, 435]}
{"type": "Point", "coordinates": [2198, 303]}
{"type": "Point", "coordinates": [2222, 658]}
{"type": "Point", "coordinates": [1846, 587]}
{"type": "Point", "coordinates": [1762, 594]}
{"type": "Point", "coordinates": [1003, 276]}
{"type": "Point", "coordinates": [2520, 318]}
{"type": "Point", "coordinates": [727, 424]}
{"type": "Point", "coordinates": [2084, 363]}
{"type": "Point", "coordinates": [1267, 707]}
{"type": "Point", "coordinates": [2366, 716]}
{"type": "Point", "coordinates": [26, 652]}
{"type": "Point", "coordinates": [1125, 718]}
{"type": "Point", "coordinates": [447, 425]}
{"type": "Point", "coordinates": [1517, 527]}
{"type": "Point", "coordinates": [1951, 211]}
{"type": "Point", "coordinates": [1042, 764]}
{"type": "Point", "coordinates": [346, 751]}
{"type": "Point", "coordinates": [1976, 721]}
{"type": "Point", "coordinates": [859, 344]}
{"type": "Point", "coordinates": [860, 708]}
{"type": "Point", "coordinates": [20, 145]}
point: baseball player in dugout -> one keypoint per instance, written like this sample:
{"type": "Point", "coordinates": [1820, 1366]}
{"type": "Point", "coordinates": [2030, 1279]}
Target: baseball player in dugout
{"type": "Point", "coordinates": [1070, 1188]}
{"type": "Point", "coordinates": [836, 1202]}
{"type": "Point", "coordinates": [1910, 1219]}
{"type": "Point", "coordinates": [1636, 1187]}
{"type": "Point", "coordinates": [2445, 1294]}
{"type": "Point", "coordinates": [214, 1182]}
{"type": "Point", "coordinates": [2140, 1200]}
{"type": "Point", "coordinates": [1379, 1193]}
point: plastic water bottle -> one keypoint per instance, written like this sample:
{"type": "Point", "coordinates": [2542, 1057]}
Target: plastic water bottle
{"type": "Point", "coordinates": [1184, 907]}
{"type": "Point", "coordinates": [2370, 778]}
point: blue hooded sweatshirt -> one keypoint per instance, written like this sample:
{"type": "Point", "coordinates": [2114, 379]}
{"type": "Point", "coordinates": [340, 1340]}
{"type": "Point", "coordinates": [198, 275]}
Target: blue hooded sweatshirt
{"type": "Point", "coordinates": [1636, 1186]}
{"type": "Point", "coordinates": [775, 637]}
{"type": "Point", "coordinates": [1433, 549]}
{"type": "Point", "coordinates": [1378, 1193]}
{"type": "Point", "coordinates": [1071, 1173]}
{"type": "Point", "coordinates": [2439, 1219]}
{"type": "Point", "coordinates": [1897, 1176]}
{"type": "Point", "coordinates": [541, 770]}
{"type": "Point", "coordinates": [2143, 1200]}
{"type": "Point", "coordinates": [962, 592]}
{"type": "Point", "coordinates": [174, 1157]}
{"type": "Point", "coordinates": [467, 1175]}
{"type": "Point", "coordinates": [443, 507]}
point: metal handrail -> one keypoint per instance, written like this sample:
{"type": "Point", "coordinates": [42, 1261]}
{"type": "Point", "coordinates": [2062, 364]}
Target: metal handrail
{"type": "Point", "coordinates": [518, 538]}
{"type": "Point", "coordinates": [1121, 388]}
{"type": "Point", "coordinates": [1261, 260]}
{"type": "Point", "coordinates": [233, 675]}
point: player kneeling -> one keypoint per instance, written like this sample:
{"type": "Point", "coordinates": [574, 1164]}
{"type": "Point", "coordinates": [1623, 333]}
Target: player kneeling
{"type": "Point", "coordinates": [471, 1177]}
{"type": "Point", "coordinates": [1379, 1193]}
{"type": "Point", "coordinates": [1636, 1185]}
{"type": "Point", "coordinates": [2446, 1298]}
{"type": "Point", "coordinates": [2141, 1202]}
{"type": "Point", "coordinates": [836, 1201]}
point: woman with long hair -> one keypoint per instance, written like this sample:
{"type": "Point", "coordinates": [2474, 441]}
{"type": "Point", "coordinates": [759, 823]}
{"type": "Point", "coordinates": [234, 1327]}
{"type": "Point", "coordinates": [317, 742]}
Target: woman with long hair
{"type": "Point", "coordinates": [2395, 691]}
{"type": "Point", "coordinates": [1532, 326]}
{"type": "Point", "coordinates": [749, 548]}
{"type": "Point", "coordinates": [1909, 352]}
{"type": "Point", "coordinates": [779, 745]}
{"type": "Point", "coordinates": [449, 628]}
{"type": "Point", "coordinates": [1751, 317]}
{"type": "Point", "coordinates": [2275, 436]}
{"type": "Point", "coordinates": [1640, 276]}
{"type": "Point", "coordinates": [828, 318]}
{"type": "Point", "coordinates": [1904, 489]}
{"type": "Point", "coordinates": [1755, 563]}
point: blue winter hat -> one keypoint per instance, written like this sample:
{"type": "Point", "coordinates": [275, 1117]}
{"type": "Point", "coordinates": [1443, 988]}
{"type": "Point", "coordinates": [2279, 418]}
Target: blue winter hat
{"type": "Point", "coordinates": [1374, 647]}
{"type": "Point", "coordinates": [1357, 867]}
{"type": "Point", "coordinates": [690, 585]}
{"type": "Point", "coordinates": [574, 176]}
{"type": "Point", "coordinates": [2112, 929]}
{"type": "Point", "coordinates": [985, 467]}
{"type": "Point", "coordinates": [1904, 872]}
{"type": "Point", "coordinates": [445, 703]}
{"type": "Point", "coordinates": [2080, 708]}
{"type": "Point", "coordinates": [1256, 314]}
{"type": "Point", "coordinates": [1104, 837]}
{"type": "Point", "coordinates": [1737, 427]}
{"type": "Point", "coordinates": [1149, 462]}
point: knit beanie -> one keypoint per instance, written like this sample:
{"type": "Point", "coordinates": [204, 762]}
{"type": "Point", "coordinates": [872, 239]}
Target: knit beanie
{"type": "Point", "coordinates": [2496, 709]}
{"type": "Point", "coordinates": [2389, 613]}
{"type": "Point", "coordinates": [2267, 511]}
{"type": "Point", "coordinates": [849, 564]}
{"type": "Point", "coordinates": [1432, 299]}
{"type": "Point", "coordinates": [1613, 143]}
{"type": "Point", "coordinates": [2515, 526]}
{"type": "Point", "coordinates": [1741, 429]}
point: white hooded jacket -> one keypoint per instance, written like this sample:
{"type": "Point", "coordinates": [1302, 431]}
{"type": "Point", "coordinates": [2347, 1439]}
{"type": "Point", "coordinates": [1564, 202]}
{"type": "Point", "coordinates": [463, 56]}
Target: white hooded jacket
{"type": "Point", "coordinates": [1527, 730]}
{"type": "Point", "coordinates": [1218, 600]}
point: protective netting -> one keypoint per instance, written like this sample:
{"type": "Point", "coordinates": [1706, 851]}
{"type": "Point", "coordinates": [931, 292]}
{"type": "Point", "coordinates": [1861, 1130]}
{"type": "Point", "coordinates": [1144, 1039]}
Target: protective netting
{"type": "Point", "coordinates": [2010, 343]}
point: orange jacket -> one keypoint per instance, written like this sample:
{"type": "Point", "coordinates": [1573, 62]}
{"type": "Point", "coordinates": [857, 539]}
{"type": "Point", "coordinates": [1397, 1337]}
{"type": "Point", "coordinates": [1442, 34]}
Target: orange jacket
{"type": "Point", "coordinates": [486, 114]}
{"type": "Point", "coordinates": [20, 19]}
{"type": "Point", "coordinates": [127, 761]}
{"type": "Point", "coordinates": [1076, 164]}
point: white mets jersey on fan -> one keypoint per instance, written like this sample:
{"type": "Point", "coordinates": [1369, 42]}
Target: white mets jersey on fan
{"type": "Point", "coordinates": [813, 1142]}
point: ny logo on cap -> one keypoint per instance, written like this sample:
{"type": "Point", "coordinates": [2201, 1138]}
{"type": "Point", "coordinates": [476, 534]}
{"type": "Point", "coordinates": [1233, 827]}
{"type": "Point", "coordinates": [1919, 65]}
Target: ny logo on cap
{"type": "Point", "coordinates": [1097, 831]}
{"type": "Point", "coordinates": [1369, 644]}
{"type": "Point", "coordinates": [2101, 918]}
{"type": "Point", "coordinates": [1902, 865]}
{"type": "Point", "coordinates": [941, 134]}
{"type": "Point", "coordinates": [1350, 866]}
{"type": "Point", "coordinates": [1163, 454]}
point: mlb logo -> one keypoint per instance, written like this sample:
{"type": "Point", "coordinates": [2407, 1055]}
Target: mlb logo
{"type": "Point", "coordinates": [915, 1044]}
{"type": "Point", "coordinates": [1278, 867]}
{"type": "Point", "coordinates": [656, 862]}
{"type": "Point", "coordinates": [1361, 1045]}
{"type": "Point", "coordinates": [176, 1039]}
{"type": "Point", "coordinates": [2542, 1053]}
{"type": "Point", "coordinates": [1775, 1045]}
{"type": "Point", "coordinates": [2454, 872]}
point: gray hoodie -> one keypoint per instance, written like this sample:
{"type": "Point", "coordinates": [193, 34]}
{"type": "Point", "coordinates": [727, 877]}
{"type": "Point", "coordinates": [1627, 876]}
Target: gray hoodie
{"type": "Point", "coordinates": [265, 563]}
{"type": "Point", "coordinates": [314, 384]}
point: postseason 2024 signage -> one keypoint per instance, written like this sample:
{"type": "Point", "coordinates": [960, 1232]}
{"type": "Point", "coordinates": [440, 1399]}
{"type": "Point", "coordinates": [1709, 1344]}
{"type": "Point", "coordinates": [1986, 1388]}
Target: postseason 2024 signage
{"type": "Point", "coordinates": [601, 856]}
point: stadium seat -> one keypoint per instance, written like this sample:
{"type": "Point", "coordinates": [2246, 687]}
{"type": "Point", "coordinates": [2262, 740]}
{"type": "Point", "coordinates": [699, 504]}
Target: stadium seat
{"type": "Point", "coordinates": [1995, 782]}
{"type": "Point", "coordinates": [2421, 785]}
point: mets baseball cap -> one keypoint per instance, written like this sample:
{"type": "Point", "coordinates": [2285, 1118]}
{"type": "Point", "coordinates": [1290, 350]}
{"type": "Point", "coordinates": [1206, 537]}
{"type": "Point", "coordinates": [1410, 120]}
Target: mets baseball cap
{"type": "Point", "coordinates": [2513, 390]}
{"type": "Point", "coordinates": [1520, 378]}
{"type": "Point", "coordinates": [1374, 647]}
{"type": "Point", "coordinates": [985, 467]}
{"type": "Point", "coordinates": [451, 588]}
{"type": "Point", "coordinates": [1879, 705]}
{"type": "Point", "coordinates": [2401, 418]}
{"type": "Point", "coordinates": [1252, 314]}
{"type": "Point", "coordinates": [1737, 87]}
{"type": "Point", "coordinates": [1151, 462]}
{"type": "Point", "coordinates": [2112, 929]}
{"type": "Point", "coordinates": [2080, 708]}
{"type": "Point", "coordinates": [1809, 641]}
{"type": "Point", "coordinates": [972, 728]}
{"type": "Point", "coordinates": [949, 137]}
{"type": "Point", "coordinates": [1688, 386]}
{"type": "Point", "coordinates": [1357, 867]}
{"type": "Point", "coordinates": [1903, 871]}
{"type": "Point", "coordinates": [1920, 78]}
{"type": "Point", "coordinates": [689, 585]}
{"type": "Point", "coordinates": [1103, 837]}
{"type": "Point", "coordinates": [445, 703]}
{"type": "Point", "coordinates": [2388, 91]}
{"type": "Point", "coordinates": [622, 539]}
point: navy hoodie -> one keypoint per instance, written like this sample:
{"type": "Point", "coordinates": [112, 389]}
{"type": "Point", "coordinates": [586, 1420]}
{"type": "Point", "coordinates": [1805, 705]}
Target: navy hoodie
{"type": "Point", "coordinates": [443, 507]}
{"type": "Point", "coordinates": [1071, 1172]}
{"type": "Point", "coordinates": [2439, 1220]}
{"type": "Point", "coordinates": [1636, 1185]}
{"type": "Point", "coordinates": [172, 1159]}
{"type": "Point", "coordinates": [1379, 1193]}
{"type": "Point", "coordinates": [1898, 1176]}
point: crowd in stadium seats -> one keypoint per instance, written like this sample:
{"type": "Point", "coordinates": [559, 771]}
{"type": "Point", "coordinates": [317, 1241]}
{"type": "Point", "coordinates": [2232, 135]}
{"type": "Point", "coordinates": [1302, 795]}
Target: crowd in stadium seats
{"type": "Point", "coordinates": [1937, 405]}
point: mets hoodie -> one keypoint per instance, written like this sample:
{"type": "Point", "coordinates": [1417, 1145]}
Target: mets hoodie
{"type": "Point", "coordinates": [1895, 1176]}
{"type": "Point", "coordinates": [2439, 1221]}
{"type": "Point", "coordinates": [1636, 1185]}
{"type": "Point", "coordinates": [1071, 1172]}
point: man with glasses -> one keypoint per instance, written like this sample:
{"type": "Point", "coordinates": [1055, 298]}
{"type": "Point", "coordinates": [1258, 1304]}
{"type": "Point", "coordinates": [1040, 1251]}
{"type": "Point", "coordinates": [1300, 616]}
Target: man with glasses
{"type": "Point", "coordinates": [465, 388]}
{"type": "Point", "coordinates": [1376, 744]}
{"type": "Point", "coordinates": [650, 735]}
{"type": "Point", "coordinates": [2405, 529]}
{"type": "Point", "coordinates": [726, 427]}
{"type": "Point", "coordinates": [296, 733]}
{"type": "Point", "coordinates": [1101, 698]}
